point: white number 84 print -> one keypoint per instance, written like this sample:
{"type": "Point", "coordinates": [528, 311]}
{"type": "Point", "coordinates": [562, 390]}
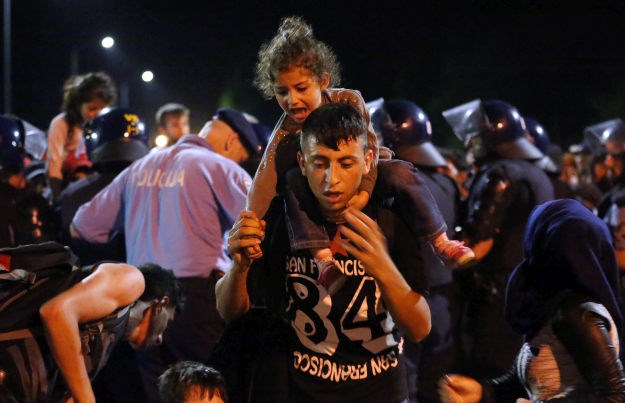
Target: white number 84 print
{"type": "Point", "coordinates": [364, 319]}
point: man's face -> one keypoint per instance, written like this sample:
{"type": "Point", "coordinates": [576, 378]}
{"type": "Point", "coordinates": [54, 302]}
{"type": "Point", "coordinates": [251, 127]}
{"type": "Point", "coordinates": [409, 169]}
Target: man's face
{"type": "Point", "coordinates": [334, 176]}
{"type": "Point", "coordinates": [614, 159]}
{"type": "Point", "coordinates": [476, 149]}
{"type": "Point", "coordinates": [176, 126]}
{"type": "Point", "coordinates": [149, 332]}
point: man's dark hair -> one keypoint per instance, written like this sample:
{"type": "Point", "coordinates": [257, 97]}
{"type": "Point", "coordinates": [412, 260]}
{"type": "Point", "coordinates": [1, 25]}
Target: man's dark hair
{"type": "Point", "coordinates": [160, 282]}
{"type": "Point", "coordinates": [175, 384]}
{"type": "Point", "coordinates": [333, 124]}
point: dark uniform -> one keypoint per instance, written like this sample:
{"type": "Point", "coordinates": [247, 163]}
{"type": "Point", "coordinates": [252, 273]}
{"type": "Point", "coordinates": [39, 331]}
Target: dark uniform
{"type": "Point", "coordinates": [507, 186]}
{"type": "Point", "coordinates": [540, 138]}
{"type": "Point", "coordinates": [608, 138]}
{"type": "Point", "coordinates": [25, 215]}
{"type": "Point", "coordinates": [405, 129]}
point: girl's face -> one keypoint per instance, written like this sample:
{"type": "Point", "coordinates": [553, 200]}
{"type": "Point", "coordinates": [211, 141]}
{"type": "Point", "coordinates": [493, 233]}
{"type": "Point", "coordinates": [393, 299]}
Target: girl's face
{"type": "Point", "coordinates": [90, 109]}
{"type": "Point", "coordinates": [298, 92]}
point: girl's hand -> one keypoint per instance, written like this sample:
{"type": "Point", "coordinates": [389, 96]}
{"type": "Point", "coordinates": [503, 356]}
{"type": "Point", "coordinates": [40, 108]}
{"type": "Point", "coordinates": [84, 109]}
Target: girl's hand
{"type": "Point", "coordinates": [245, 237]}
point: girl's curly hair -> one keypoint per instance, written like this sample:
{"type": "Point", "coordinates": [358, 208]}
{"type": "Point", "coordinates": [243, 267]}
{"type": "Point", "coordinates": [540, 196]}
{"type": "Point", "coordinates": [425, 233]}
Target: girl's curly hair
{"type": "Point", "coordinates": [294, 45]}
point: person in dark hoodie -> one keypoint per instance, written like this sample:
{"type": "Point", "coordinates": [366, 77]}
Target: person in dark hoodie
{"type": "Point", "coordinates": [564, 299]}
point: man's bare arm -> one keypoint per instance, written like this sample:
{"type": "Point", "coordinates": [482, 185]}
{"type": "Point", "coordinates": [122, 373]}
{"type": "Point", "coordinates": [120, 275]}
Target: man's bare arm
{"type": "Point", "coordinates": [231, 290]}
{"type": "Point", "coordinates": [109, 287]}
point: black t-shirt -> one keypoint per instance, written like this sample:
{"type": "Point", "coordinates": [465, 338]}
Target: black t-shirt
{"type": "Point", "coordinates": [344, 347]}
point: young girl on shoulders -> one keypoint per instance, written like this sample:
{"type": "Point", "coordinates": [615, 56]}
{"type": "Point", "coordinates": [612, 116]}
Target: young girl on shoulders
{"type": "Point", "coordinates": [302, 73]}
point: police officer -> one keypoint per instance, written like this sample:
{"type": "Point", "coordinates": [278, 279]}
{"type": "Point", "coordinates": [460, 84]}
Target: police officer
{"type": "Point", "coordinates": [406, 130]}
{"type": "Point", "coordinates": [114, 139]}
{"type": "Point", "coordinates": [608, 138]}
{"type": "Point", "coordinates": [26, 215]}
{"type": "Point", "coordinates": [174, 207]}
{"type": "Point", "coordinates": [537, 134]}
{"type": "Point", "coordinates": [506, 187]}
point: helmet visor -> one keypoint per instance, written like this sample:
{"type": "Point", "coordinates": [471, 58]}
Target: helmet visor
{"type": "Point", "coordinates": [597, 135]}
{"type": "Point", "coordinates": [466, 120]}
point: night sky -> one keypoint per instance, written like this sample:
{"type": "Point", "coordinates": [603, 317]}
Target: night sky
{"type": "Point", "coordinates": [563, 65]}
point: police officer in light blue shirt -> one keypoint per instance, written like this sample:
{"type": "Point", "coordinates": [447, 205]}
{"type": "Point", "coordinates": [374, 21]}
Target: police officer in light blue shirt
{"type": "Point", "coordinates": [174, 207]}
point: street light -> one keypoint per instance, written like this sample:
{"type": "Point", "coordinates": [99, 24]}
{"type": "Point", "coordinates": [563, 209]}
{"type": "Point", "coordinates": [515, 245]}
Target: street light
{"type": "Point", "coordinates": [107, 42]}
{"type": "Point", "coordinates": [147, 76]}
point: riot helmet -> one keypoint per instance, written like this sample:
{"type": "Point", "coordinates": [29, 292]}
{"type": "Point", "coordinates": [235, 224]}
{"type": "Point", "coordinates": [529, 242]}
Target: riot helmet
{"type": "Point", "coordinates": [608, 139]}
{"type": "Point", "coordinates": [537, 135]}
{"type": "Point", "coordinates": [406, 129]}
{"type": "Point", "coordinates": [491, 127]}
{"type": "Point", "coordinates": [116, 135]}
{"type": "Point", "coordinates": [608, 136]}
{"type": "Point", "coordinates": [372, 107]}
{"type": "Point", "coordinates": [12, 138]}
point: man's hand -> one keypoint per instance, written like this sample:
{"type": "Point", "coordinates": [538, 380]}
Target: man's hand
{"type": "Point", "coordinates": [367, 243]}
{"type": "Point", "coordinates": [459, 389]}
{"type": "Point", "coordinates": [244, 239]}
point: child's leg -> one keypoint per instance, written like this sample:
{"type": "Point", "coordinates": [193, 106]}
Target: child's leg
{"type": "Point", "coordinates": [417, 206]}
{"type": "Point", "coordinates": [306, 232]}
{"type": "Point", "coordinates": [302, 216]}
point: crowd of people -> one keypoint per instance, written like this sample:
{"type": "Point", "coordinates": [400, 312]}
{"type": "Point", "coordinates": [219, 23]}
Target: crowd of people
{"type": "Point", "coordinates": [341, 257]}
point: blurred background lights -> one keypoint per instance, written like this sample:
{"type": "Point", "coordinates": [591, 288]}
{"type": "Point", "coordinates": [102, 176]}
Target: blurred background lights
{"type": "Point", "coordinates": [108, 42]}
{"type": "Point", "coordinates": [147, 76]}
{"type": "Point", "coordinates": [161, 140]}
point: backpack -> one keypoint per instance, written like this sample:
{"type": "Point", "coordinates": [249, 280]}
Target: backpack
{"type": "Point", "coordinates": [29, 276]}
